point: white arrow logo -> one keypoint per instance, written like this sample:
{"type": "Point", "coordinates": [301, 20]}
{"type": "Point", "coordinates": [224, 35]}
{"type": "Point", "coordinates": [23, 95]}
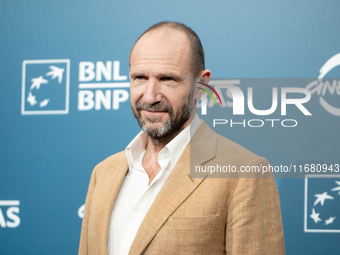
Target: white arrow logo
{"type": "Point", "coordinates": [31, 99]}
{"type": "Point", "coordinates": [56, 72]}
{"type": "Point", "coordinates": [44, 103]}
{"type": "Point", "coordinates": [37, 82]}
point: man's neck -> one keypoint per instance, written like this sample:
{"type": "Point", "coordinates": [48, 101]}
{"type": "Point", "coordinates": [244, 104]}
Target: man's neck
{"type": "Point", "coordinates": [153, 148]}
{"type": "Point", "coordinates": [150, 158]}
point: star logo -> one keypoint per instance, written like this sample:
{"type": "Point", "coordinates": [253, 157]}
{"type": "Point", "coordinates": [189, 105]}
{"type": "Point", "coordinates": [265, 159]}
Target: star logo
{"type": "Point", "coordinates": [321, 198]}
{"type": "Point", "coordinates": [56, 72]}
{"type": "Point", "coordinates": [31, 99]}
{"type": "Point", "coordinates": [45, 86]}
{"type": "Point", "coordinates": [329, 221]}
{"type": "Point", "coordinates": [315, 216]}
{"type": "Point", "coordinates": [322, 203]}
{"type": "Point", "coordinates": [337, 188]}
{"type": "Point", "coordinates": [44, 103]}
{"type": "Point", "coordinates": [37, 82]}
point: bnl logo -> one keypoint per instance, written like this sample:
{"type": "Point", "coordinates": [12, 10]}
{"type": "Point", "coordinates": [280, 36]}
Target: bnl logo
{"type": "Point", "coordinates": [45, 87]}
{"type": "Point", "coordinates": [9, 210]}
{"type": "Point", "coordinates": [322, 204]}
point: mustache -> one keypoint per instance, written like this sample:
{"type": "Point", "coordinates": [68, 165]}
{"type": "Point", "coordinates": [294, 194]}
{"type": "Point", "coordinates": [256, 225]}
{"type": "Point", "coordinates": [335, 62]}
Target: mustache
{"type": "Point", "coordinates": [156, 107]}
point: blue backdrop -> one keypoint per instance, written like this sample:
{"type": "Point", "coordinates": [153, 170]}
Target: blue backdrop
{"type": "Point", "coordinates": [65, 105]}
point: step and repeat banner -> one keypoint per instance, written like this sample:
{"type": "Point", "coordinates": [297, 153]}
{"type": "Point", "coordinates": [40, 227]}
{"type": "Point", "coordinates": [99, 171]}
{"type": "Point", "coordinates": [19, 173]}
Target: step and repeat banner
{"type": "Point", "coordinates": [65, 106]}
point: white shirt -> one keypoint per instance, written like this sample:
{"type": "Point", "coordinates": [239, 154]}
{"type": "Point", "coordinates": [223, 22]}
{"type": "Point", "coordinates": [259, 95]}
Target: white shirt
{"type": "Point", "coordinates": [136, 196]}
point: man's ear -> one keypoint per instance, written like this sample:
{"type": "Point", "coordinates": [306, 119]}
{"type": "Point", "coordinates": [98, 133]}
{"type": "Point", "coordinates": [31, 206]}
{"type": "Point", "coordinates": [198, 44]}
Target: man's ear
{"type": "Point", "coordinates": [204, 77]}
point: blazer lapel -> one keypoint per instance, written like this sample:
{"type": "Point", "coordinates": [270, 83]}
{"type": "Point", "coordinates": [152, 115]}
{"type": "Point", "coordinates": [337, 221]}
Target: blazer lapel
{"type": "Point", "coordinates": [106, 197]}
{"type": "Point", "coordinates": [177, 187]}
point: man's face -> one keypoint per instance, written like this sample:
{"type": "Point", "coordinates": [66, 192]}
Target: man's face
{"type": "Point", "coordinates": [160, 83]}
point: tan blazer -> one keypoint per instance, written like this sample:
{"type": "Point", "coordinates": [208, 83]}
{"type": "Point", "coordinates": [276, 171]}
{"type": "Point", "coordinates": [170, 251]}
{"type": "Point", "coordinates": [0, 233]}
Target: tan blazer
{"type": "Point", "coordinates": [192, 215]}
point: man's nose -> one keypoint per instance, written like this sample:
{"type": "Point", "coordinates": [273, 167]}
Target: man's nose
{"type": "Point", "coordinates": [152, 93]}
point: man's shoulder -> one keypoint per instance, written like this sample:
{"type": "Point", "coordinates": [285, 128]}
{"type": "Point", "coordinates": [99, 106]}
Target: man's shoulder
{"type": "Point", "coordinates": [112, 162]}
{"type": "Point", "coordinates": [242, 162]}
{"type": "Point", "coordinates": [211, 148]}
{"type": "Point", "coordinates": [224, 146]}
{"type": "Point", "coordinates": [114, 158]}
{"type": "Point", "coordinates": [234, 154]}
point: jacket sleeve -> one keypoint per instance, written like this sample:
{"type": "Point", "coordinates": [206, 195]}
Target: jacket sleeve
{"type": "Point", "coordinates": [254, 224]}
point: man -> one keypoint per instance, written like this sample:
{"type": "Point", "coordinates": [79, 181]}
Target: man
{"type": "Point", "coordinates": [143, 200]}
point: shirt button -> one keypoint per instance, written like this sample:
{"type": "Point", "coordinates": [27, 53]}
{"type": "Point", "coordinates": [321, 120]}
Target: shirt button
{"type": "Point", "coordinates": [136, 210]}
{"type": "Point", "coordinates": [127, 247]}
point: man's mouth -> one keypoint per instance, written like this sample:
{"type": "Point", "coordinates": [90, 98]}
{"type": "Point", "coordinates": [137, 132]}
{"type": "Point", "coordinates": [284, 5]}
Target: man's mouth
{"type": "Point", "coordinates": [154, 113]}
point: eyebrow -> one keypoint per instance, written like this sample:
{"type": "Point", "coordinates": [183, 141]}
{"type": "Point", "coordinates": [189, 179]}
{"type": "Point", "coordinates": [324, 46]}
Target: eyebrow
{"type": "Point", "coordinates": [134, 75]}
{"type": "Point", "coordinates": [171, 75]}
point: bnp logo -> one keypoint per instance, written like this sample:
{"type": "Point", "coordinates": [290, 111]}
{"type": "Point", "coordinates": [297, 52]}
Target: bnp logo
{"type": "Point", "coordinates": [45, 87]}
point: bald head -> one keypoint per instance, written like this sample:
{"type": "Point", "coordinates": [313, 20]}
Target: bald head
{"type": "Point", "coordinates": [196, 50]}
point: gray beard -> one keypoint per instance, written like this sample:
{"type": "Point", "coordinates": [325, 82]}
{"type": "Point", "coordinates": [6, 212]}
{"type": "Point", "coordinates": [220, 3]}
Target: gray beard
{"type": "Point", "coordinates": [172, 126]}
